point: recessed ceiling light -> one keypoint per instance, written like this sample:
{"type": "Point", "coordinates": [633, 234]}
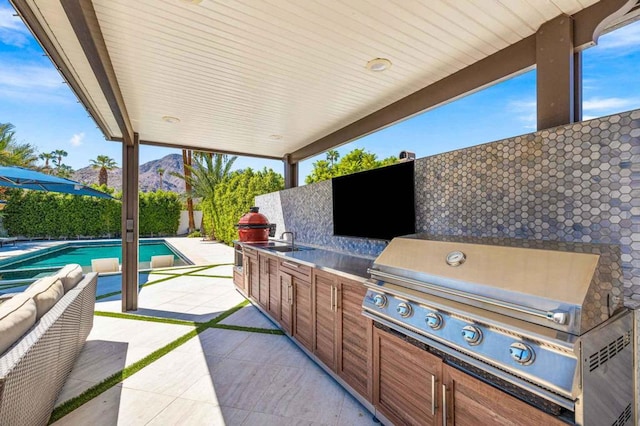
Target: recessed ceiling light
{"type": "Point", "coordinates": [378, 64]}
{"type": "Point", "coordinates": [275, 137]}
{"type": "Point", "coordinates": [170, 119]}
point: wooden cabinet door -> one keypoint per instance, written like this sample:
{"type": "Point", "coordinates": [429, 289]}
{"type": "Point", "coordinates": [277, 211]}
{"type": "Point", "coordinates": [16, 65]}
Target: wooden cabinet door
{"type": "Point", "coordinates": [252, 274]}
{"type": "Point", "coordinates": [286, 301]}
{"type": "Point", "coordinates": [325, 289]}
{"type": "Point", "coordinates": [405, 378]}
{"type": "Point", "coordinates": [302, 312]}
{"type": "Point", "coordinates": [273, 289]}
{"type": "Point", "coordinates": [355, 338]}
{"type": "Point", "coordinates": [472, 402]}
{"type": "Point", "coordinates": [265, 273]}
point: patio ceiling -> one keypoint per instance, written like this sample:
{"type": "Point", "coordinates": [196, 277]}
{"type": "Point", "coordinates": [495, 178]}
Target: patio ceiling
{"type": "Point", "coordinates": [271, 78]}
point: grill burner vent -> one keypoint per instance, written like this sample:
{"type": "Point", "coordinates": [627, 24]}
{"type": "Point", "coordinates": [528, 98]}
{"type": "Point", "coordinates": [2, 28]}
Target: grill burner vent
{"type": "Point", "coordinates": [606, 353]}
{"type": "Point", "coordinates": [624, 417]}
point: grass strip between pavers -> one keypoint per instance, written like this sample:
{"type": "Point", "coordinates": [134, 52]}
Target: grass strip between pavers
{"type": "Point", "coordinates": [146, 318]}
{"type": "Point", "coordinates": [86, 396]}
{"type": "Point", "coordinates": [208, 276]}
{"type": "Point", "coordinates": [249, 329]}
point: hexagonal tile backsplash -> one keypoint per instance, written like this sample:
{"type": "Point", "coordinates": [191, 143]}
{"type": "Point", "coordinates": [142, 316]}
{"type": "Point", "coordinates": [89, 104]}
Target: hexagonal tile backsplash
{"type": "Point", "coordinates": [579, 182]}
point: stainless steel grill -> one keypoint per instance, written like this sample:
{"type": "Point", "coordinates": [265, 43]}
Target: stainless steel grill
{"type": "Point", "coordinates": [541, 320]}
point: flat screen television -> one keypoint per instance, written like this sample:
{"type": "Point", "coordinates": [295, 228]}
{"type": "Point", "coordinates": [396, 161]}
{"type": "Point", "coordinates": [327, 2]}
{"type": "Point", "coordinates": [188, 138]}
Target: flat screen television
{"type": "Point", "coordinates": [375, 204]}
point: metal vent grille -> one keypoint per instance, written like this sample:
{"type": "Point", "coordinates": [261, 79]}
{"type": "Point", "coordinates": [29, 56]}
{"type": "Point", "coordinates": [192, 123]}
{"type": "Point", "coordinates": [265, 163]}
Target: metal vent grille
{"type": "Point", "coordinates": [624, 417]}
{"type": "Point", "coordinates": [607, 352]}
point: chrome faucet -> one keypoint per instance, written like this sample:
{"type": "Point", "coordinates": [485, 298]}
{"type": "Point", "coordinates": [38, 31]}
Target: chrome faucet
{"type": "Point", "coordinates": [293, 237]}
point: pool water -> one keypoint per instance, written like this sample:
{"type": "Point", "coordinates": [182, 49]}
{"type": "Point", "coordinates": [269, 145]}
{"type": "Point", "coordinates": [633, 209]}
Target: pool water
{"type": "Point", "coordinates": [83, 255]}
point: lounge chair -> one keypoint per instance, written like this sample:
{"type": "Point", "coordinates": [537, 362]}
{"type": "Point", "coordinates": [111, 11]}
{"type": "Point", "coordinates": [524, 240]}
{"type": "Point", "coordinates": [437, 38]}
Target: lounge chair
{"type": "Point", "coordinates": [109, 264]}
{"type": "Point", "coordinates": [7, 240]}
{"type": "Point", "coordinates": [163, 261]}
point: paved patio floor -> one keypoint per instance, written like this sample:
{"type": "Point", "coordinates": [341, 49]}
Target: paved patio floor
{"type": "Point", "coordinates": [221, 376]}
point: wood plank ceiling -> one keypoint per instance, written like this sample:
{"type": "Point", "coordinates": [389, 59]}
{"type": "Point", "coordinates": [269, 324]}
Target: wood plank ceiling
{"type": "Point", "coordinates": [268, 77]}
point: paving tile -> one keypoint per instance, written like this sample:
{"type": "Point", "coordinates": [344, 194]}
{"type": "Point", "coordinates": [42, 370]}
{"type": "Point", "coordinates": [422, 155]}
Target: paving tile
{"type": "Point", "coordinates": [250, 316]}
{"type": "Point", "coordinates": [272, 350]}
{"type": "Point", "coordinates": [239, 384]}
{"type": "Point", "coordinates": [193, 413]}
{"type": "Point", "coordinates": [263, 419]}
{"type": "Point", "coordinates": [73, 388]}
{"type": "Point", "coordinates": [302, 394]}
{"type": "Point", "coordinates": [215, 341]}
{"type": "Point", "coordinates": [171, 375]}
{"type": "Point", "coordinates": [118, 406]}
{"type": "Point", "coordinates": [355, 414]}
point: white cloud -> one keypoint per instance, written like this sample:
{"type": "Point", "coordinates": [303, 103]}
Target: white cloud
{"type": "Point", "coordinates": [627, 37]}
{"type": "Point", "coordinates": [76, 139]}
{"type": "Point", "coordinates": [32, 83]}
{"type": "Point", "coordinates": [602, 106]}
{"type": "Point", "coordinates": [12, 30]}
{"type": "Point", "coordinates": [525, 111]}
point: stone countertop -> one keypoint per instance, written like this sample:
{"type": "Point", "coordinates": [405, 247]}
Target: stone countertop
{"type": "Point", "coordinates": [344, 264]}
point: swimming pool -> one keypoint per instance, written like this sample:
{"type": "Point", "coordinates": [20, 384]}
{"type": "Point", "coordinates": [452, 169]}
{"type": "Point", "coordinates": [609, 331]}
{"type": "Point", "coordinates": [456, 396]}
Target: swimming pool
{"type": "Point", "coordinates": [45, 261]}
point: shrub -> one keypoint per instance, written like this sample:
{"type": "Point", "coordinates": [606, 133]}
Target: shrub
{"type": "Point", "coordinates": [233, 198]}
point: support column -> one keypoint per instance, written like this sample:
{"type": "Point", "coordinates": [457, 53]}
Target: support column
{"type": "Point", "coordinates": [290, 172]}
{"type": "Point", "coordinates": [130, 225]}
{"type": "Point", "coordinates": [556, 94]}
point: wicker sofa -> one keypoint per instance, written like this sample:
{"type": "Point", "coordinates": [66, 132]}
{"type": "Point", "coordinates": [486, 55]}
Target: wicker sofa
{"type": "Point", "coordinates": [33, 370]}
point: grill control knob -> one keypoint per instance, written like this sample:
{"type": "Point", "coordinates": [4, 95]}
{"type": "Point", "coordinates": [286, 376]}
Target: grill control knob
{"type": "Point", "coordinates": [434, 320]}
{"type": "Point", "coordinates": [380, 300]}
{"type": "Point", "coordinates": [472, 335]}
{"type": "Point", "coordinates": [404, 310]}
{"type": "Point", "coordinates": [521, 353]}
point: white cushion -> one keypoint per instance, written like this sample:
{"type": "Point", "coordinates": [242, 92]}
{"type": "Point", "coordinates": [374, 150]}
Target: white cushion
{"type": "Point", "coordinates": [45, 292]}
{"type": "Point", "coordinates": [162, 261]}
{"type": "Point", "coordinates": [109, 264]}
{"type": "Point", "coordinates": [70, 276]}
{"type": "Point", "coordinates": [17, 315]}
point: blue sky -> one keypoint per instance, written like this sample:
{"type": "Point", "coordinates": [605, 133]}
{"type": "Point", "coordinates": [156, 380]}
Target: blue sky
{"type": "Point", "coordinates": [46, 114]}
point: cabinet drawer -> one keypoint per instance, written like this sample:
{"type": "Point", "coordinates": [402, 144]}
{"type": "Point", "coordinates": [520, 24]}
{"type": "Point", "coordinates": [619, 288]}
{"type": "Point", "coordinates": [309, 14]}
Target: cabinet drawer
{"type": "Point", "coordinates": [296, 269]}
{"type": "Point", "coordinates": [250, 253]}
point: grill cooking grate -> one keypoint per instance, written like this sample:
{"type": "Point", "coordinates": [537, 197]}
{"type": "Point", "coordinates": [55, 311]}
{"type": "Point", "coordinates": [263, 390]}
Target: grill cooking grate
{"type": "Point", "coordinates": [606, 353]}
{"type": "Point", "coordinates": [624, 417]}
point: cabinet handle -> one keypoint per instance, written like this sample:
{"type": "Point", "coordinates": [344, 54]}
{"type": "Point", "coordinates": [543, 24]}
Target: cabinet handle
{"type": "Point", "coordinates": [290, 296]}
{"type": "Point", "coordinates": [433, 395]}
{"type": "Point", "coordinates": [444, 405]}
{"type": "Point", "coordinates": [334, 292]}
{"type": "Point", "coordinates": [331, 306]}
{"type": "Point", "coordinates": [290, 265]}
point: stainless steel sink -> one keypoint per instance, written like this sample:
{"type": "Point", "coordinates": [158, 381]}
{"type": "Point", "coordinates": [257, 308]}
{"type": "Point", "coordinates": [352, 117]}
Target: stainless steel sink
{"type": "Point", "coordinates": [286, 249]}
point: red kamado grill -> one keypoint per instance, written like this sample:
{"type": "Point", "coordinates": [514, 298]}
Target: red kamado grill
{"type": "Point", "coordinates": [254, 227]}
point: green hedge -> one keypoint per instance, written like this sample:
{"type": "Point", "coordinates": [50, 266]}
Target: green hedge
{"type": "Point", "coordinates": [233, 197]}
{"type": "Point", "coordinates": [36, 214]}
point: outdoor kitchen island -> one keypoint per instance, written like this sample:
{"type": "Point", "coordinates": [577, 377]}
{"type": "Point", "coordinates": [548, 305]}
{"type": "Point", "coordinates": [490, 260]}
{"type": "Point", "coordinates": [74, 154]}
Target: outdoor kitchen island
{"type": "Point", "coordinates": [317, 298]}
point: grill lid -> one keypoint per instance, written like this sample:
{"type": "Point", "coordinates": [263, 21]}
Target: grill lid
{"type": "Point", "coordinates": [568, 287]}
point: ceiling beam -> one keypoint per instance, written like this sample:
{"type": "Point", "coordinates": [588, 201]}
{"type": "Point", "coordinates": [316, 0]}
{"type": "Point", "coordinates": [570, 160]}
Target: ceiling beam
{"type": "Point", "coordinates": [208, 149]}
{"type": "Point", "coordinates": [41, 36]}
{"type": "Point", "coordinates": [84, 22]}
{"type": "Point", "coordinates": [510, 61]}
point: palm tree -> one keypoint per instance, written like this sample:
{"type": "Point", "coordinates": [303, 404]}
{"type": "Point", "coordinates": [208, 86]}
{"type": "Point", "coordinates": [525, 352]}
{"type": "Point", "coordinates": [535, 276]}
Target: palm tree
{"type": "Point", "coordinates": [46, 156]}
{"type": "Point", "coordinates": [332, 157]}
{"type": "Point", "coordinates": [64, 171]}
{"type": "Point", "coordinates": [186, 164]}
{"type": "Point", "coordinates": [209, 170]}
{"type": "Point", "coordinates": [58, 154]}
{"type": "Point", "coordinates": [160, 171]}
{"type": "Point", "coordinates": [13, 153]}
{"type": "Point", "coordinates": [104, 163]}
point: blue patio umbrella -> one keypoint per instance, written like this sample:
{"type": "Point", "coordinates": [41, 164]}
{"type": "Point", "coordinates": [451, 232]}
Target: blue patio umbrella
{"type": "Point", "coordinates": [18, 177]}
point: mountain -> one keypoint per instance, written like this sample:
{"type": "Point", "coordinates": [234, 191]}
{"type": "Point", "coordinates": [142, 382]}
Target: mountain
{"type": "Point", "coordinates": [149, 179]}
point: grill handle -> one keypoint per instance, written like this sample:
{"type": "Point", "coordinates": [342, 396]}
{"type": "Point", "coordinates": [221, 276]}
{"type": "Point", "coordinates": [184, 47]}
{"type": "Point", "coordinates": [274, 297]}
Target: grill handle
{"type": "Point", "coordinates": [558, 317]}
